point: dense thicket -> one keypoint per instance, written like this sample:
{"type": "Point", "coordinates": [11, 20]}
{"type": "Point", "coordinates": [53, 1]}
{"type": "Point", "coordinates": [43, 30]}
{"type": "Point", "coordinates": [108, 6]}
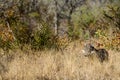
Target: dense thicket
{"type": "Point", "coordinates": [51, 23]}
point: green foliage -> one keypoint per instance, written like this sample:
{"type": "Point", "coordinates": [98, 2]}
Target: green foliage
{"type": "Point", "coordinates": [6, 44]}
{"type": "Point", "coordinates": [100, 34]}
{"type": "Point", "coordinates": [87, 21]}
{"type": "Point", "coordinates": [86, 15]}
{"type": "Point", "coordinates": [81, 23]}
{"type": "Point", "coordinates": [34, 14]}
{"type": "Point", "coordinates": [22, 33]}
{"type": "Point", "coordinates": [112, 14]}
{"type": "Point", "coordinates": [41, 38]}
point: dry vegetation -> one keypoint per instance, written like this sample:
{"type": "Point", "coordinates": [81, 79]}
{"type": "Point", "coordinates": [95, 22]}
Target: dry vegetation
{"type": "Point", "coordinates": [43, 39]}
{"type": "Point", "coordinates": [52, 65]}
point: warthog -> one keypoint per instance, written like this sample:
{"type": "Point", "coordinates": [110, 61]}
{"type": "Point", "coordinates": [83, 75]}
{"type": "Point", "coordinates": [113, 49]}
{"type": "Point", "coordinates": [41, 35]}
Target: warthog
{"type": "Point", "coordinates": [90, 51]}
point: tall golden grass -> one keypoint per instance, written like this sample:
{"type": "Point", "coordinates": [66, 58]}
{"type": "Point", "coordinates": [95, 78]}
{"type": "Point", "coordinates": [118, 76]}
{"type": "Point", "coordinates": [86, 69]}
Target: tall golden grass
{"type": "Point", "coordinates": [52, 65]}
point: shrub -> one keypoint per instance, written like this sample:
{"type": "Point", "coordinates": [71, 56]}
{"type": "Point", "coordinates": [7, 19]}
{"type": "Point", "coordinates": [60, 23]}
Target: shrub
{"type": "Point", "coordinates": [41, 38]}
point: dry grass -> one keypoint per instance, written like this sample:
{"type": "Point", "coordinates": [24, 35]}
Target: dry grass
{"type": "Point", "coordinates": [52, 65]}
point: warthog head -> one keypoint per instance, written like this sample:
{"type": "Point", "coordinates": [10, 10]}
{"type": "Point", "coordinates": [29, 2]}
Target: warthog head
{"type": "Point", "coordinates": [88, 49]}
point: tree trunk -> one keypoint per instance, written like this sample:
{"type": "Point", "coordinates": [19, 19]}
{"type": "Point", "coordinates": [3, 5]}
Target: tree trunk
{"type": "Point", "coordinates": [56, 19]}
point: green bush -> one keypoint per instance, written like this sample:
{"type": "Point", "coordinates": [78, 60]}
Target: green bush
{"type": "Point", "coordinates": [6, 45]}
{"type": "Point", "coordinates": [41, 38]}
